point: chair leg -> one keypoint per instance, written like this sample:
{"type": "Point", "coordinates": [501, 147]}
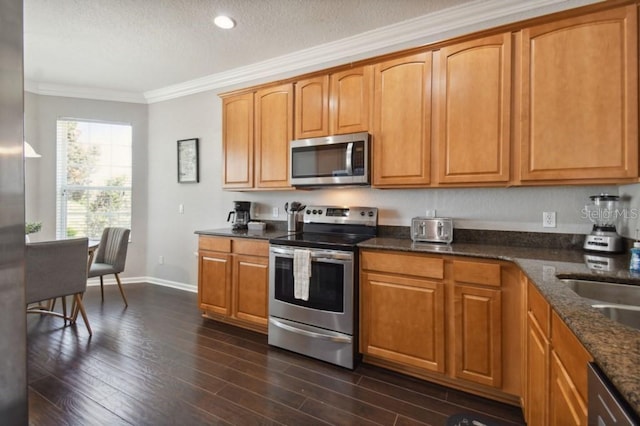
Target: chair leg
{"type": "Point", "coordinates": [101, 288]}
{"type": "Point", "coordinates": [64, 309]}
{"type": "Point", "coordinates": [75, 309]}
{"type": "Point", "coordinates": [121, 290]}
{"type": "Point", "coordinates": [78, 301]}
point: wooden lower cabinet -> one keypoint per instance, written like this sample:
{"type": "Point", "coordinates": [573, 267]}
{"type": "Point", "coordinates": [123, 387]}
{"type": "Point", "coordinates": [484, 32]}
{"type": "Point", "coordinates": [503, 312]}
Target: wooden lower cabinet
{"type": "Point", "coordinates": [556, 368]}
{"type": "Point", "coordinates": [214, 281]}
{"type": "Point", "coordinates": [405, 320]}
{"type": "Point", "coordinates": [565, 405]}
{"type": "Point", "coordinates": [538, 354]}
{"type": "Point", "coordinates": [478, 330]}
{"type": "Point", "coordinates": [250, 289]}
{"type": "Point", "coordinates": [441, 318]}
{"type": "Point", "coordinates": [233, 280]}
{"type": "Point", "coordinates": [537, 388]}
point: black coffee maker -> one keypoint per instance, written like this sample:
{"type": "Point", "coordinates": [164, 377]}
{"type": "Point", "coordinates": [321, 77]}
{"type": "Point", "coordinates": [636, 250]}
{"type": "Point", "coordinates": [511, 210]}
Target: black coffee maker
{"type": "Point", "coordinates": [241, 215]}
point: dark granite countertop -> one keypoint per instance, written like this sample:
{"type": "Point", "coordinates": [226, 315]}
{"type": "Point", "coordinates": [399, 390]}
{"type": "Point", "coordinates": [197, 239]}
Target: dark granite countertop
{"type": "Point", "coordinates": [267, 234]}
{"type": "Point", "coordinates": [614, 347]}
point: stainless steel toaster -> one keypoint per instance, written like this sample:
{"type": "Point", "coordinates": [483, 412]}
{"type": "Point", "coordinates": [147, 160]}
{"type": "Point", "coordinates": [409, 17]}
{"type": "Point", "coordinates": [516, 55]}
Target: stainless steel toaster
{"type": "Point", "coordinates": [432, 229]}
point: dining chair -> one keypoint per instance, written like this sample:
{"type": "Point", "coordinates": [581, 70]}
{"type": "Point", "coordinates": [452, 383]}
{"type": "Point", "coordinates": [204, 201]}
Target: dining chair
{"type": "Point", "coordinates": [56, 269]}
{"type": "Point", "coordinates": [110, 257]}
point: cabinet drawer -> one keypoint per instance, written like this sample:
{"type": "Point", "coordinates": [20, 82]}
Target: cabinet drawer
{"type": "Point", "coordinates": [214, 244]}
{"type": "Point", "coordinates": [250, 247]}
{"type": "Point", "coordinates": [539, 309]}
{"type": "Point", "coordinates": [483, 273]}
{"type": "Point", "coordinates": [406, 264]}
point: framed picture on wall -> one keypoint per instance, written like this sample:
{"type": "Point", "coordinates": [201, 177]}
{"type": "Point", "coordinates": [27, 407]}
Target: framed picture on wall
{"type": "Point", "coordinates": [188, 161]}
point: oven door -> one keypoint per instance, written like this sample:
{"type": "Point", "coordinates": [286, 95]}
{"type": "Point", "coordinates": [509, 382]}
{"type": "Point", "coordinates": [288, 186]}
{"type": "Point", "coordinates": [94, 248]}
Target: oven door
{"type": "Point", "coordinates": [331, 295]}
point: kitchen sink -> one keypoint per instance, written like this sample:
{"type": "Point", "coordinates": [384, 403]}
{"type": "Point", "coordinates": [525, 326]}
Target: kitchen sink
{"type": "Point", "coordinates": [599, 291]}
{"type": "Point", "coordinates": [620, 302]}
{"type": "Point", "coordinates": [624, 314]}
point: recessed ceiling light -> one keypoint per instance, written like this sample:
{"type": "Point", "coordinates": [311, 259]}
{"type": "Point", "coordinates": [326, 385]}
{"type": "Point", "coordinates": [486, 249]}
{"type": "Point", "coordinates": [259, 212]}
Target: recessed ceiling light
{"type": "Point", "coordinates": [224, 22]}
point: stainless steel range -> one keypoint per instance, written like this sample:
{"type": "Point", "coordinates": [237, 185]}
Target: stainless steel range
{"type": "Point", "coordinates": [313, 283]}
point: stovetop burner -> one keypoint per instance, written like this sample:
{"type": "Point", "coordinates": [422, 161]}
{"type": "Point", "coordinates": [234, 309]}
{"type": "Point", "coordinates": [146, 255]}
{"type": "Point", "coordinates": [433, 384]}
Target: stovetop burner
{"type": "Point", "coordinates": [330, 241]}
{"type": "Point", "coordinates": [333, 228]}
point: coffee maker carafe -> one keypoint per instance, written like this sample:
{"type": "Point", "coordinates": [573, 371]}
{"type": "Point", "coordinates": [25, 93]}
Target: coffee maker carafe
{"type": "Point", "coordinates": [241, 215]}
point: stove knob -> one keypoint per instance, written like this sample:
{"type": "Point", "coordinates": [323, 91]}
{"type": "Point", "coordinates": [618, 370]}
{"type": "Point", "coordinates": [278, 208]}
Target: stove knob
{"type": "Point", "coordinates": [361, 213]}
{"type": "Point", "coordinates": [314, 211]}
{"type": "Point", "coordinates": [308, 211]}
{"type": "Point", "coordinates": [370, 213]}
{"type": "Point", "coordinates": [319, 211]}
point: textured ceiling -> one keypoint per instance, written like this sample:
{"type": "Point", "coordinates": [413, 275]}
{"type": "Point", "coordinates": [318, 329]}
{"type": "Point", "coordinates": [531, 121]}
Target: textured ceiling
{"type": "Point", "coordinates": [142, 45]}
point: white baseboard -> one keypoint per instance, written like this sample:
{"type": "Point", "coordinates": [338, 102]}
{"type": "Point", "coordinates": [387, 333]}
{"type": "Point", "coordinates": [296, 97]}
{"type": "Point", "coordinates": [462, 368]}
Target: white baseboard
{"type": "Point", "coordinates": [193, 288]}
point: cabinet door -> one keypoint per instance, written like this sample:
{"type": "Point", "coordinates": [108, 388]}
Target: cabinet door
{"type": "Point", "coordinates": [478, 331]}
{"type": "Point", "coordinates": [538, 349]}
{"type": "Point", "coordinates": [273, 131]}
{"type": "Point", "coordinates": [312, 107]}
{"type": "Point", "coordinates": [402, 122]}
{"type": "Point", "coordinates": [566, 407]}
{"type": "Point", "coordinates": [214, 282]}
{"type": "Point", "coordinates": [350, 100]}
{"type": "Point", "coordinates": [251, 287]}
{"type": "Point", "coordinates": [472, 90]}
{"type": "Point", "coordinates": [579, 98]}
{"type": "Point", "coordinates": [237, 141]}
{"type": "Point", "coordinates": [403, 320]}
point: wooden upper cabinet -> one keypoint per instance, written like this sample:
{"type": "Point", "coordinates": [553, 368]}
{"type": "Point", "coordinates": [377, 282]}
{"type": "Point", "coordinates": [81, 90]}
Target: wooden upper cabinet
{"type": "Point", "coordinates": [402, 122]}
{"type": "Point", "coordinates": [312, 107]}
{"type": "Point", "coordinates": [273, 131]}
{"type": "Point", "coordinates": [472, 91]}
{"type": "Point", "coordinates": [350, 100]}
{"type": "Point", "coordinates": [237, 141]}
{"type": "Point", "coordinates": [334, 104]}
{"type": "Point", "coordinates": [579, 98]}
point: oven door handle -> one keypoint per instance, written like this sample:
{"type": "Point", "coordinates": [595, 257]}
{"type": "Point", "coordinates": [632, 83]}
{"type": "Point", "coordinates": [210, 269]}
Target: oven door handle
{"type": "Point", "coordinates": [331, 337]}
{"type": "Point", "coordinates": [315, 255]}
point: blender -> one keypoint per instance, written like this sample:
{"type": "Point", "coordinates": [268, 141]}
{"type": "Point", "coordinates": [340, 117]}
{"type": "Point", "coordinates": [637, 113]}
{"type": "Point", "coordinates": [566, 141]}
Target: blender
{"type": "Point", "coordinates": [603, 212]}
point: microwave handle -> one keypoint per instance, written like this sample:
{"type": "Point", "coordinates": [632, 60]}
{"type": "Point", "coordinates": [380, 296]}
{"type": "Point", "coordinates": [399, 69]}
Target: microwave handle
{"type": "Point", "coordinates": [350, 159]}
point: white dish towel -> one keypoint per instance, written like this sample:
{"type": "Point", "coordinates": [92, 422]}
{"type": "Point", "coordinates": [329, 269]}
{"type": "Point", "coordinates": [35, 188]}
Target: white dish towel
{"type": "Point", "coordinates": [301, 273]}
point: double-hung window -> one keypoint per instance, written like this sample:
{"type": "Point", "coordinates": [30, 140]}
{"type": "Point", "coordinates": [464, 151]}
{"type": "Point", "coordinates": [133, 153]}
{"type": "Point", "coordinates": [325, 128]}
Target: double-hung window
{"type": "Point", "coordinates": [94, 171]}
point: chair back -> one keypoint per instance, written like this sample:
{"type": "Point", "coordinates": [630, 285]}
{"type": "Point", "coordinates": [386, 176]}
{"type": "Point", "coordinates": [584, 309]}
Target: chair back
{"type": "Point", "coordinates": [55, 268]}
{"type": "Point", "coordinates": [113, 248]}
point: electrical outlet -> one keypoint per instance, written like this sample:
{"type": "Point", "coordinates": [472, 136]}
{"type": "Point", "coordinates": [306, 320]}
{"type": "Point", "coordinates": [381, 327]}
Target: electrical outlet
{"type": "Point", "coordinates": [274, 212]}
{"type": "Point", "coordinates": [548, 219]}
{"type": "Point", "coordinates": [181, 208]}
{"type": "Point", "coordinates": [161, 260]}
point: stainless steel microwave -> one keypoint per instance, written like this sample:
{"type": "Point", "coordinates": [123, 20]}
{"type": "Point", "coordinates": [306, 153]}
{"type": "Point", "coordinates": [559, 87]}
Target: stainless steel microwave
{"type": "Point", "coordinates": [330, 160]}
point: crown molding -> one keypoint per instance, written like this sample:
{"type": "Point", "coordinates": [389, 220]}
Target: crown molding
{"type": "Point", "coordinates": [83, 92]}
{"type": "Point", "coordinates": [448, 23]}
{"type": "Point", "coordinates": [419, 31]}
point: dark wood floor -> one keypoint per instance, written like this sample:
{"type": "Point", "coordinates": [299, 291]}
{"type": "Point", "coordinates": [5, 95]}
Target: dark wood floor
{"type": "Point", "coordinates": [158, 362]}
